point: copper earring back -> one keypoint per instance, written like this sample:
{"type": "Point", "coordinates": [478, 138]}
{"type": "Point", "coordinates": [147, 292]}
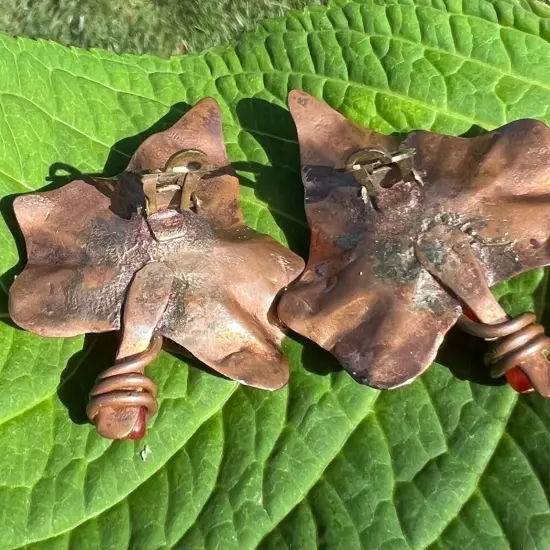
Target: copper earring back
{"type": "Point", "coordinates": [406, 233]}
{"type": "Point", "coordinates": [161, 251]}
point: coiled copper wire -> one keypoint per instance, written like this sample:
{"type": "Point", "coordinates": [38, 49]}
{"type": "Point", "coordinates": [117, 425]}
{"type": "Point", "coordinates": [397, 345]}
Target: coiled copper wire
{"type": "Point", "coordinates": [123, 385]}
{"type": "Point", "coordinates": [515, 340]}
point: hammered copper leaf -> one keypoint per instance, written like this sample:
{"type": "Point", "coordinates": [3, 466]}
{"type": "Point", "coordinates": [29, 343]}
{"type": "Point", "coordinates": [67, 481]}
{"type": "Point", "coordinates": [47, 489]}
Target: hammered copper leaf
{"type": "Point", "coordinates": [440, 464]}
{"type": "Point", "coordinates": [83, 254]}
{"type": "Point", "coordinates": [364, 295]}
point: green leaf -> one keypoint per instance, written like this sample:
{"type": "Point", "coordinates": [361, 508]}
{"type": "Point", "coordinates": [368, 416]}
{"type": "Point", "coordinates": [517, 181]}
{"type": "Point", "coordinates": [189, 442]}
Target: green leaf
{"type": "Point", "coordinates": [443, 463]}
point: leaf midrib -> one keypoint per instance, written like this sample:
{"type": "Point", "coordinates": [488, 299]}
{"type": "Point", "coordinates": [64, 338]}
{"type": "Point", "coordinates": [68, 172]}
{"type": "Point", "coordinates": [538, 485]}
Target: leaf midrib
{"type": "Point", "coordinates": [481, 472]}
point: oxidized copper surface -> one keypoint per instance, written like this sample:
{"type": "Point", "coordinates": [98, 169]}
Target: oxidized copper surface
{"type": "Point", "coordinates": [162, 250]}
{"type": "Point", "coordinates": [404, 231]}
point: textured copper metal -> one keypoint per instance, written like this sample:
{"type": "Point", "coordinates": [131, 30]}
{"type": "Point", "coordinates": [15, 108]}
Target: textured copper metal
{"type": "Point", "coordinates": [445, 252]}
{"type": "Point", "coordinates": [497, 330]}
{"type": "Point", "coordinates": [123, 387]}
{"type": "Point", "coordinates": [516, 341]}
{"type": "Point", "coordinates": [87, 241]}
{"type": "Point", "coordinates": [124, 398]}
{"type": "Point", "coordinates": [372, 206]}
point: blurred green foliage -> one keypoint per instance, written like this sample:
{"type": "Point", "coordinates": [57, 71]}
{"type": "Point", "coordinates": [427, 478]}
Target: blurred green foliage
{"type": "Point", "coordinates": [160, 27]}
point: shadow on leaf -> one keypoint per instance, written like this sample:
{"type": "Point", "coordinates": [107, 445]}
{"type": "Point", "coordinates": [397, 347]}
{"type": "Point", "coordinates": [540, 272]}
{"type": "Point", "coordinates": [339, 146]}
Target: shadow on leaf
{"type": "Point", "coordinates": [78, 377]}
{"type": "Point", "coordinates": [276, 182]}
{"type": "Point", "coordinates": [315, 359]}
{"type": "Point", "coordinates": [463, 355]}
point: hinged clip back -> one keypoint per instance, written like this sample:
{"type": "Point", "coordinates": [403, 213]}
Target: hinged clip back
{"type": "Point", "coordinates": [180, 176]}
{"type": "Point", "coordinates": [375, 169]}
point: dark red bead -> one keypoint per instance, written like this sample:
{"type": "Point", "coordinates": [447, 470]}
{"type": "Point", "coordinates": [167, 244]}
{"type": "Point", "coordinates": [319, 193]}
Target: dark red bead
{"type": "Point", "coordinates": [140, 427]}
{"type": "Point", "coordinates": [517, 379]}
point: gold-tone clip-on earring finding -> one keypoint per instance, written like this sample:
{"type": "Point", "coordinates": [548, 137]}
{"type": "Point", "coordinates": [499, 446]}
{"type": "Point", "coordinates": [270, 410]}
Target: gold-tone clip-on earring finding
{"type": "Point", "coordinates": [159, 252]}
{"type": "Point", "coordinates": [406, 234]}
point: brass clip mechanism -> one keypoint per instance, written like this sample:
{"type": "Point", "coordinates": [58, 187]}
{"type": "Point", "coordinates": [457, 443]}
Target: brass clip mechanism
{"type": "Point", "coordinates": [376, 170]}
{"type": "Point", "coordinates": [172, 191]}
{"type": "Point", "coordinates": [179, 177]}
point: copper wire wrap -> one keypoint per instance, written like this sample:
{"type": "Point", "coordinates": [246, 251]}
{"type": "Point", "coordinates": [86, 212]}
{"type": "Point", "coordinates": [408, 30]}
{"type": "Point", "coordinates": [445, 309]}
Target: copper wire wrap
{"type": "Point", "coordinates": [515, 340]}
{"type": "Point", "coordinates": [123, 385]}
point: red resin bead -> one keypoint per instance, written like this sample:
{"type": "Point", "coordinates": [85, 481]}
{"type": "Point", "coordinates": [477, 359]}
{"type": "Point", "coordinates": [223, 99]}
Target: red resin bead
{"type": "Point", "coordinates": [140, 427]}
{"type": "Point", "coordinates": [517, 379]}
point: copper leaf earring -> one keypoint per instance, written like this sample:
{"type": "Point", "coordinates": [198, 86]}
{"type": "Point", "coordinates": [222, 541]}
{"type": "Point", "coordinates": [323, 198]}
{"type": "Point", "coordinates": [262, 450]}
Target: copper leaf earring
{"type": "Point", "coordinates": [160, 252]}
{"type": "Point", "coordinates": [407, 234]}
